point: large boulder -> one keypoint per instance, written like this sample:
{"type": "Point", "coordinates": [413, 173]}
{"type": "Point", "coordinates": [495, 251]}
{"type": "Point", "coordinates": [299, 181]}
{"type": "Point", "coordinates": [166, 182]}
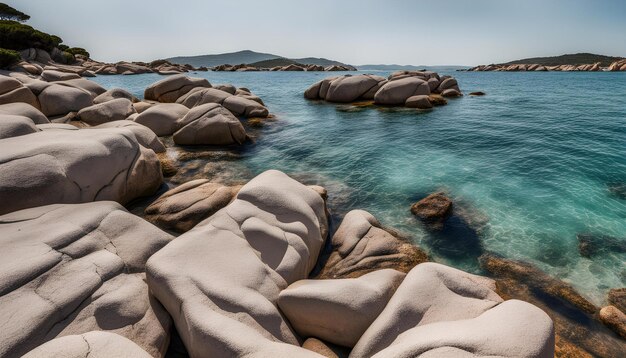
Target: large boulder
{"type": "Point", "coordinates": [90, 344]}
{"type": "Point", "coordinates": [53, 75]}
{"type": "Point", "coordinates": [200, 96]}
{"type": "Point", "coordinates": [58, 100]}
{"type": "Point", "coordinates": [362, 245]}
{"type": "Point", "coordinates": [15, 126]}
{"type": "Point", "coordinates": [448, 312]}
{"type": "Point", "coordinates": [12, 90]}
{"type": "Point", "coordinates": [71, 269]}
{"type": "Point", "coordinates": [162, 118]}
{"type": "Point", "coordinates": [419, 102]}
{"type": "Point", "coordinates": [171, 88]}
{"type": "Point", "coordinates": [145, 136]}
{"type": "Point", "coordinates": [220, 281]}
{"type": "Point", "coordinates": [338, 311]}
{"type": "Point", "coordinates": [114, 110]}
{"type": "Point", "coordinates": [350, 88]}
{"type": "Point", "coordinates": [26, 110]}
{"type": "Point", "coordinates": [90, 86]}
{"type": "Point", "coordinates": [114, 93]}
{"type": "Point", "coordinates": [75, 166]}
{"type": "Point", "coordinates": [209, 124]}
{"type": "Point", "coordinates": [183, 207]}
{"type": "Point", "coordinates": [396, 92]}
{"type": "Point", "coordinates": [239, 105]}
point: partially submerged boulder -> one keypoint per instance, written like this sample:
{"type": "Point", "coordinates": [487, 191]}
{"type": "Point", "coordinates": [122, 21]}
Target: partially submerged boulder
{"type": "Point", "coordinates": [398, 91]}
{"type": "Point", "coordinates": [114, 110]}
{"type": "Point", "coordinates": [615, 319]}
{"type": "Point", "coordinates": [362, 245]}
{"type": "Point", "coordinates": [168, 90]}
{"type": "Point", "coordinates": [183, 207]}
{"type": "Point", "coordinates": [338, 311]}
{"type": "Point", "coordinates": [242, 104]}
{"type": "Point", "coordinates": [75, 166]}
{"type": "Point", "coordinates": [71, 269]}
{"type": "Point", "coordinates": [221, 280]}
{"type": "Point", "coordinates": [433, 209]}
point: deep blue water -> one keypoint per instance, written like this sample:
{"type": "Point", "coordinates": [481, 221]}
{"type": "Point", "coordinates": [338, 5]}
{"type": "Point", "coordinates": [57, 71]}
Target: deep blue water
{"type": "Point", "coordinates": [530, 163]}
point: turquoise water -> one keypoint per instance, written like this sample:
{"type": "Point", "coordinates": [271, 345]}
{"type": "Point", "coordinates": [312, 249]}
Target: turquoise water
{"type": "Point", "coordinates": [530, 164]}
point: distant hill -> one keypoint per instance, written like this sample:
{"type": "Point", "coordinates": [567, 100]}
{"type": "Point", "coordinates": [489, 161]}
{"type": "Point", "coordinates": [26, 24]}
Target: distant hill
{"type": "Point", "coordinates": [258, 59]}
{"type": "Point", "coordinates": [233, 58]}
{"type": "Point", "coordinates": [569, 59]}
{"type": "Point", "coordinates": [407, 68]}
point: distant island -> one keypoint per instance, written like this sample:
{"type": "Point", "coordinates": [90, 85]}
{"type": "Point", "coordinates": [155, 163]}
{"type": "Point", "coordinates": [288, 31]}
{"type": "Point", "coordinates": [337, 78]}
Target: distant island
{"type": "Point", "coordinates": [394, 67]}
{"type": "Point", "coordinates": [567, 62]}
{"type": "Point", "coordinates": [248, 60]}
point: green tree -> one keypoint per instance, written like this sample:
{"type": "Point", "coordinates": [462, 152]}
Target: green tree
{"type": "Point", "coordinates": [9, 13]}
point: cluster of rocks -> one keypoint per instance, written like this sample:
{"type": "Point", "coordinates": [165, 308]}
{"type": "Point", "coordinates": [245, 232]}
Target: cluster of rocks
{"type": "Point", "coordinates": [593, 67]}
{"type": "Point", "coordinates": [413, 89]}
{"type": "Point", "coordinates": [35, 61]}
{"type": "Point", "coordinates": [291, 67]}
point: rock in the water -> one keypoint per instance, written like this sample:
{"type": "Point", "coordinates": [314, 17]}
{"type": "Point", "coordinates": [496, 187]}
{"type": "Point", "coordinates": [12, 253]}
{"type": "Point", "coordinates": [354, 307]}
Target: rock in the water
{"type": "Point", "coordinates": [220, 281]}
{"type": "Point", "coordinates": [71, 269]}
{"type": "Point", "coordinates": [114, 93]}
{"type": "Point", "coordinates": [350, 88]}
{"type": "Point", "coordinates": [433, 208]}
{"type": "Point", "coordinates": [162, 118]}
{"type": "Point", "coordinates": [114, 110]}
{"type": "Point", "coordinates": [615, 319]}
{"type": "Point", "coordinates": [236, 104]}
{"type": "Point", "coordinates": [396, 92]}
{"type": "Point", "coordinates": [26, 110]}
{"type": "Point", "coordinates": [168, 90]}
{"type": "Point", "coordinates": [437, 307]}
{"type": "Point", "coordinates": [590, 245]}
{"type": "Point", "coordinates": [58, 100]}
{"type": "Point", "coordinates": [91, 344]}
{"type": "Point", "coordinates": [477, 93]}
{"type": "Point", "coordinates": [15, 126]}
{"type": "Point", "coordinates": [419, 102]}
{"type": "Point", "coordinates": [451, 92]}
{"type": "Point", "coordinates": [145, 136]}
{"type": "Point", "coordinates": [183, 207]}
{"type": "Point", "coordinates": [617, 298]}
{"type": "Point", "coordinates": [75, 166]}
{"type": "Point", "coordinates": [362, 245]}
{"type": "Point", "coordinates": [338, 311]}
{"type": "Point", "coordinates": [12, 90]}
{"type": "Point", "coordinates": [209, 124]}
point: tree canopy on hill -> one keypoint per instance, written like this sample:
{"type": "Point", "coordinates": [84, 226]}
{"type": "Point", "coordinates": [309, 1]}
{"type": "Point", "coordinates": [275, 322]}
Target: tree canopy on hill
{"type": "Point", "coordinates": [9, 13]}
{"type": "Point", "coordinates": [274, 62]}
{"type": "Point", "coordinates": [569, 59]}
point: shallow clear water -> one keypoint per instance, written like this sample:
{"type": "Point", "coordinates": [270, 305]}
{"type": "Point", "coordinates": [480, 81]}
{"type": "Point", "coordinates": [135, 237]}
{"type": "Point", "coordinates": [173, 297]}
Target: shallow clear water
{"type": "Point", "coordinates": [530, 164]}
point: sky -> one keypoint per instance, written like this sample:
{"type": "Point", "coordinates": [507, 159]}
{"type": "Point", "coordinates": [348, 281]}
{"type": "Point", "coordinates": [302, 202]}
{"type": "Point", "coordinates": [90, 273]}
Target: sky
{"type": "Point", "coordinates": [432, 32]}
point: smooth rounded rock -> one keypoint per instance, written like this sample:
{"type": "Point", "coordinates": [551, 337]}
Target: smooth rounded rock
{"type": "Point", "coordinates": [58, 100]}
{"type": "Point", "coordinates": [209, 124]}
{"type": "Point", "coordinates": [114, 110]}
{"type": "Point", "coordinates": [168, 90]}
{"type": "Point", "coordinates": [26, 110]}
{"type": "Point", "coordinates": [419, 102]}
{"type": "Point", "coordinates": [15, 126]}
{"type": "Point", "coordinates": [398, 91]}
{"type": "Point", "coordinates": [162, 119]}
{"type": "Point", "coordinates": [114, 93]}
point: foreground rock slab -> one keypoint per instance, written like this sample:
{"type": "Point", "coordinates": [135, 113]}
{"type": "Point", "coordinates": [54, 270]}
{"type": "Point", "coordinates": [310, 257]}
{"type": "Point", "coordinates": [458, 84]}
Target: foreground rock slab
{"type": "Point", "coordinates": [75, 166]}
{"type": "Point", "coordinates": [220, 281]}
{"type": "Point", "coordinates": [72, 269]}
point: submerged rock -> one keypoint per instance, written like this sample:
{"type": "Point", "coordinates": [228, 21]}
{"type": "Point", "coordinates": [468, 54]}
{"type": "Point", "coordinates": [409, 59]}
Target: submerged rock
{"type": "Point", "coordinates": [361, 245]}
{"type": "Point", "coordinates": [615, 319]}
{"type": "Point", "coordinates": [220, 281]}
{"type": "Point", "coordinates": [434, 208]}
{"type": "Point", "coordinates": [183, 207]}
{"type": "Point", "coordinates": [590, 245]}
{"type": "Point", "coordinates": [340, 310]}
{"type": "Point", "coordinates": [477, 93]}
{"type": "Point", "coordinates": [71, 269]}
{"type": "Point", "coordinates": [617, 298]}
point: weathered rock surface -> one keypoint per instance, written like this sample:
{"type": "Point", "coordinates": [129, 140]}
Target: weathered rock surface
{"type": "Point", "coordinates": [145, 136]}
{"type": "Point", "coordinates": [209, 124]}
{"type": "Point", "coordinates": [615, 319]}
{"type": "Point", "coordinates": [114, 110]}
{"type": "Point", "coordinates": [325, 349]}
{"type": "Point", "coordinates": [447, 312]}
{"type": "Point", "coordinates": [338, 311]}
{"type": "Point", "coordinates": [79, 166]}
{"type": "Point", "coordinates": [183, 207]}
{"type": "Point", "coordinates": [242, 104]}
{"type": "Point", "coordinates": [617, 298]}
{"type": "Point", "coordinates": [350, 88]}
{"type": "Point", "coordinates": [419, 102]}
{"type": "Point", "coordinates": [435, 207]}
{"type": "Point", "coordinates": [52, 76]}
{"type": "Point", "coordinates": [362, 245]}
{"type": "Point", "coordinates": [72, 269]}
{"type": "Point", "coordinates": [57, 100]}
{"type": "Point", "coordinates": [91, 344]}
{"type": "Point", "coordinates": [26, 110]}
{"type": "Point", "coordinates": [114, 93]}
{"type": "Point", "coordinates": [15, 126]}
{"type": "Point", "coordinates": [396, 92]}
{"type": "Point", "coordinates": [168, 90]}
{"type": "Point", "coordinates": [221, 280]}
{"type": "Point", "coordinates": [12, 90]}
{"type": "Point", "coordinates": [162, 118]}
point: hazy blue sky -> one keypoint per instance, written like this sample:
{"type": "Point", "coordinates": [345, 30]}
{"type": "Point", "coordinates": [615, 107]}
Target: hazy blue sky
{"type": "Point", "coordinates": [464, 32]}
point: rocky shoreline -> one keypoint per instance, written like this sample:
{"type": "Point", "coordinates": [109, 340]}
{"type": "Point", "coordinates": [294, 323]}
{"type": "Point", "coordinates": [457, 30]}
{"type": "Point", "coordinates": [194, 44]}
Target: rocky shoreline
{"type": "Point", "coordinates": [235, 268]}
{"type": "Point", "coordinates": [593, 67]}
